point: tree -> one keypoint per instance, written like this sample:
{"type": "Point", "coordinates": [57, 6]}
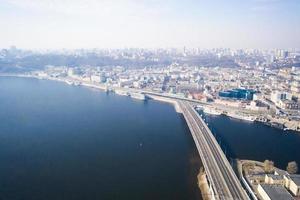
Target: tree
{"type": "Point", "coordinates": [269, 166]}
{"type": "Point", "coordinates": [248, 166]}
{"type": "Point", "coordinates": [292, 167]}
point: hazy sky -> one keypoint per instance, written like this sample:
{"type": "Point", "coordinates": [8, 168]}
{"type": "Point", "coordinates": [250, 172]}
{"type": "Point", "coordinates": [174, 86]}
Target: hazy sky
{"type": "Point", "coordinates": [150, 23]}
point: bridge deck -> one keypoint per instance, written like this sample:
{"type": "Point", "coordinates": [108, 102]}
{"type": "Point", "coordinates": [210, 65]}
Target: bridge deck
{"type": "Point", "coordinates": [220, 174]}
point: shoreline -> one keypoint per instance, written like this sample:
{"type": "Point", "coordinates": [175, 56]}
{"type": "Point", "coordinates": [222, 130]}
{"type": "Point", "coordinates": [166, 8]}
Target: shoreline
{"type": "Point", "coordinates": [152, 97]}
{"type": "Point", "coordinates": [158, 97]}
{"type": "Point", "coordinates": [100, 87]}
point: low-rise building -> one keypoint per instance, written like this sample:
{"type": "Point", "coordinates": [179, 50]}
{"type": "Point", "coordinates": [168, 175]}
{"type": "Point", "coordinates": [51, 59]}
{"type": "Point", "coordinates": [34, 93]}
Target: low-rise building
{"type": "Point", "coordinates": [278, 96]}
{"type": "Point", "coordinates": [274, 179]}
{"type": "Point", "coordinates": [95, 78]}
{"type": "Point", "coordinates": [271, 192]}
{"type": "Point", "coordinates": [292, 182]}
{"type": "Point", "coordinates": [257, 105]}
{"type": "Point", "coordinates": [295, 87]}
{"type": "Point", "coordinates": [289, 105]}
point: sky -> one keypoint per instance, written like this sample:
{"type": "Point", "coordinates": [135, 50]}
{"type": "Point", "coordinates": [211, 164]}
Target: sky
{"type": "Point", "coordinates": [71, 24]}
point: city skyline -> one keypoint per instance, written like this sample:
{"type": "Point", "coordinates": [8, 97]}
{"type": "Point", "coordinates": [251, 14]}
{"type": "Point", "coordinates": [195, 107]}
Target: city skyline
{"type": "Point", "coordinates": [190, 99]}
{"type": "Point", "coordinates": [55, 24]}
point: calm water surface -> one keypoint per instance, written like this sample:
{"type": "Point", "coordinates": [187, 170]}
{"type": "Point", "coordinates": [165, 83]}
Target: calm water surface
{"type": "Point", "coordinates": [64, 142]}
{"type": "Point", "coordinates": [249, 140]}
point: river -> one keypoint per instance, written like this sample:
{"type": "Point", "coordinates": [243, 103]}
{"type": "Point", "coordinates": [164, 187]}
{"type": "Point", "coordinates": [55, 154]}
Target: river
{"type": "Point", "coordinates": [65, 142]}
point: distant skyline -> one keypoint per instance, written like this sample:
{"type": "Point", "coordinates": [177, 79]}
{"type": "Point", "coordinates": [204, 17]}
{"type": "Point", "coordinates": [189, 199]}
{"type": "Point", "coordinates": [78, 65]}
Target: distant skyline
{"type": "Point", "coordinates": [54, 24]}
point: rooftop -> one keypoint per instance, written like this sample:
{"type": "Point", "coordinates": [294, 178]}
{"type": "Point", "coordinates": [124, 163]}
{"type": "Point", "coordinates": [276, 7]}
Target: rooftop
{"type": "Point", "coordinates": [275, 177]}
{"type": "Point", "coordinates": [277, 192]}
{"type": "Point", "coordinates": [296, 178]}
{"type": "Point", "coordinates": [281, 172]}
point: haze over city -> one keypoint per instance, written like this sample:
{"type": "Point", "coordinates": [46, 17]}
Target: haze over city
{"type": "Point", "coordinates": [149, 99]}
{"type": "Point", "coordinates": [54, 24]}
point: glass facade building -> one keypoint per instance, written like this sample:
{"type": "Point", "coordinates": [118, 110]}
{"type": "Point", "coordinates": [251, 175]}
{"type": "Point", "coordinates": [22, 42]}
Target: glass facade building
{"type": "Point", "coordinates": [237, 94]}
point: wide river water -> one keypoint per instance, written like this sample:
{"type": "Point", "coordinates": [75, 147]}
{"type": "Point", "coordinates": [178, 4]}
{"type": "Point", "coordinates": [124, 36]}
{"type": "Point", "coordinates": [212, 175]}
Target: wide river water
{"type": "Point", "coordinates": [61, 142]}
{"type": "Point", "coordinates": [66, 142]}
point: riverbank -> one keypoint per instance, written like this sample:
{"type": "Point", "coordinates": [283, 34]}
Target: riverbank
{"type": "Point", "coordinates": [204, 185]}
{"type": "Point", "coordinates": [100, 87]}
{"type": "Point", "coordinates": [45, 122]}
{"type": "Point", "coordinates": [159, 99]}
{"type": "Point", "coordinates": [267, 119]}
{"type": "Point", "coordinates": [212, 109]}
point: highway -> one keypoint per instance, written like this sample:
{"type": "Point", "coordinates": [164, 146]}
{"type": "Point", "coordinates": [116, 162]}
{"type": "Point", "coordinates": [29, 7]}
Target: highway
{"type": "Point", "coordinates": [221, 176]}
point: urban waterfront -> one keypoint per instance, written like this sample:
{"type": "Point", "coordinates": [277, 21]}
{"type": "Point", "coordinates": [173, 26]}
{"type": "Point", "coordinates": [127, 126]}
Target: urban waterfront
{"type": "Point", "coordinates": [65, 142]}
{"type": "Point", "coordinates": [60, 141]}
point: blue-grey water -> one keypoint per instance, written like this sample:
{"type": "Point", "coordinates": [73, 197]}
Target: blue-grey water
{"type": "Point", "coordinates": [65, 142]}
{"type": "Point", "coordinates": [256, 141]}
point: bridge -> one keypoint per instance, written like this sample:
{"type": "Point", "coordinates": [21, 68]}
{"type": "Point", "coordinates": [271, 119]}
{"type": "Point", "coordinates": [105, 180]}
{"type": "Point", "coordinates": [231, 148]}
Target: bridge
{"type": "Point", "coordinates": [223, 182]}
